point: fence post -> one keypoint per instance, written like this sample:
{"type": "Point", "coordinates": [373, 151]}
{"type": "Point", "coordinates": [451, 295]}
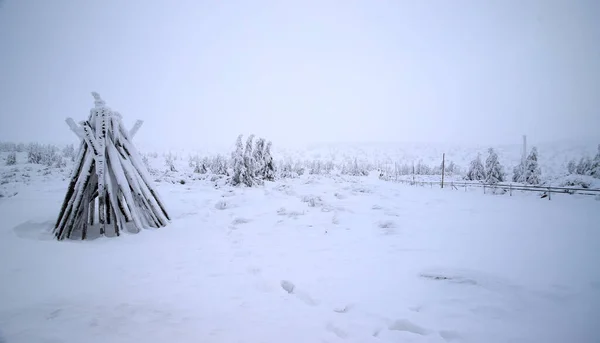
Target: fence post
{"type": "Point", "coordinates": [484, 188]}
{"type": "Point", "coordinates": [549, 194]}
{"type": "Point", "coordinates": [443, 167]}
{"type": "Point", "coordinates": [510, 188]}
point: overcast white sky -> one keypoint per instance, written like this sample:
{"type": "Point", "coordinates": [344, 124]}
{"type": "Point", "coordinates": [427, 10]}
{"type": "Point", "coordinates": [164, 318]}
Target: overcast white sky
{"type": "Point", "coordinates": [200, 72]}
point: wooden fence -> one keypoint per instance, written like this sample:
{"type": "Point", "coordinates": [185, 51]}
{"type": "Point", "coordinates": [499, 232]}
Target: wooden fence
{"type": "Point", "coordinates": [546, 191]}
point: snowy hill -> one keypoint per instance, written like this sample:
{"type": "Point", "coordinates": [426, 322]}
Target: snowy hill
{"type": "Point", "coordinates": [311, 259]}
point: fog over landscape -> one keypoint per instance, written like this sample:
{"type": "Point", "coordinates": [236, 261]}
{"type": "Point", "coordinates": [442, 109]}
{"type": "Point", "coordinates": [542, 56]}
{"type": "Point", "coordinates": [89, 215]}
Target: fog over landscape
{"type": "Point", "coordinates": [199, 73]}
{"type": "Point", "coordinates": [299, 171]}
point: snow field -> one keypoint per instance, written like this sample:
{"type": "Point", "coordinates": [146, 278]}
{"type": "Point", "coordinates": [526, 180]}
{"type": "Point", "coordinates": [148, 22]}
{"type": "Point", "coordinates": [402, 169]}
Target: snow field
{"type": "Point", "coordinates": [313, 259]}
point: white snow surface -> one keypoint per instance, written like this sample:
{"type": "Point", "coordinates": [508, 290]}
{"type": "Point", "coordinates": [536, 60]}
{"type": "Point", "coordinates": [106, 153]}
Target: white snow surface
{"type": "Point", "coordinates": [313, 259]}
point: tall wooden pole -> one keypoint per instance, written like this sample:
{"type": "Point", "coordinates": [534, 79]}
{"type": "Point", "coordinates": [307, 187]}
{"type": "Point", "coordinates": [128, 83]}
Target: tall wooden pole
{"type": "Point", "coordinates": [443, 167]}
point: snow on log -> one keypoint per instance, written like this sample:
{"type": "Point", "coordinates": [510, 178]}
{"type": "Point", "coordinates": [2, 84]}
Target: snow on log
{"type": "Point", "coordinates": [110, 190]}
{"type": "Point", "coordinates": [135, 128]}
{"type": "Point", "coordinates": [78, 131]}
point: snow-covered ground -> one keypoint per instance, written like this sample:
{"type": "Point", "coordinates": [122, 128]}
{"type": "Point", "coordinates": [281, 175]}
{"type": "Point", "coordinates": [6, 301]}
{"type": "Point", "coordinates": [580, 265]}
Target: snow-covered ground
{"type": "Point", "coordinates": [314, 259]}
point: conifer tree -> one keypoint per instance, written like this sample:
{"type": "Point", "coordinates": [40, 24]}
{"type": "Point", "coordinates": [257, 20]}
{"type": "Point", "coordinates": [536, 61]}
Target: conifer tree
{"type": "Point", "coordinates": [476, 171]}
{"type": "Point", "coordinates": [595, 170]}
{"type": "Point", "coordinates": [269, 166]}
{"type": "Point", "coordinates": [248, 177]}
{"type": "Point", "coordinates": [237, 157]}
{"type": "Point", "coordinates": [259, 160]}
{"type": "Point", "coordinates": [494, 172]}
{"type": "Point", "coordinates": [531, 171]}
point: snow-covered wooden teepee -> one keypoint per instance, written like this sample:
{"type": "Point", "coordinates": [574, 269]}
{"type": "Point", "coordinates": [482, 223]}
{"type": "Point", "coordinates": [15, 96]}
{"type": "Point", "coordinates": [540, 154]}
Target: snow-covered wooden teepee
{"type": "Point", "coordinates": [110, 190]}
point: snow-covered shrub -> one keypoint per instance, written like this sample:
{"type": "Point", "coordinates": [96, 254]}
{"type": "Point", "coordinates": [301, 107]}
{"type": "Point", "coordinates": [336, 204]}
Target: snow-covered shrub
{"type": "Point", "coordinates": [42, 154]}
{"type": "Point", "coordinates": [404, 169]}
{"type": "Point", "coordinates": [578, 181]}
{"type": "Point", "coordinates": [355, 168]}
{"type": "Point", "coordinates": [451, 168]}
{"type": "Point", "coordinates": [286, 169]}
{"type": "Point", "coordinates": [218, 165]}
{"type": "Point", "coordinates": [60, 162]}
{"type": "Point", "coordinates": [494, 172]}
{"type": "Point", "coordinates": [193, 161]}
{"type": "Point", "coordinates": [170, 162]}
{"type": "Point", "coordinates": [298, 168]}
{"type": "Point", "coordinates": [312, 200]}
{"type": "Point", "coordinates": [35, 153]}
{"type": "Point", "coordinates": [8, 147]}
{"type": "Point", "coordinates": [11, 159]}
{"type": "Point", "coordinates": [476, 171]}
{"type": "Point", "coordinates": [595, 170]}
{"type": "Point", "coordinates": [422, 169]}
{"type": "Point", "coordinates": [146, 161]}
{"type": "Point", "coordinates": [586, 166]}
{"type": "Point", "coordinates": [68, 152]}
{"type": "Point", "coordinates": [319, 167]}
{"type": "Point", "coordinates": [200, 167]}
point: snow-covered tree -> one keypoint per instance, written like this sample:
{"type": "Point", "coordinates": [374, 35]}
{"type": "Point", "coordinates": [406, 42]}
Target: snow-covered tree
{"type": "Point", "coordinates": [259, 159]}
{"type": "Point", "coordinates": [595, 172]}
{"type": "Point", "coordinates": [269, 166]}
{"type": "Point", "coordinates": [248, 178]}
{"type": "Point", "coordinates": [494, 172]}
{"type": "Point", "coordinates": [476, 171]}
{"type": "Point", "coordinates": [218, 165]}
{"type": "Point", "coordinates": [200, 167]}
{"type": "Point", "coordinates": [452, 168]}
{"type": "Point", "coordinates": [518, 173]}
{"type": "Point", "coordinates": [531, 171]}
{"type": "Point", "coordinates": [572, 167]}
{"type": "Point", "coordinates": [11, 159]}
{"type": "Point", "coordinates": [584, 167]}
{"type": "Point", "coordinates": [237, 158]}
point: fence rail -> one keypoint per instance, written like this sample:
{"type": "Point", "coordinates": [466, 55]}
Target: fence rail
{"type": "Point", "coordinates": [506, 187]}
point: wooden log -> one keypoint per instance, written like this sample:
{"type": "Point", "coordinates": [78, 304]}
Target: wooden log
{"type": "Point", "coordinates": [90, 138]}
{"type": "Point", "coordinates": [76, 129]}
{"type": "Point", "coordinates": [92, 199]}
{"type": "Point", "coordinates": [82, 180]}
{"type": "Point", "coordinates": [142, 189]}
{"type": "Point", "coordinates": [122, 182]}
{"type": "Point", "coordinates": [76, 171]}
{"type": "Point", "coordinates": [133, 155]}
{"type": "Point", "coordinates": [112, 190]}
{"type": "Point", "coordinates": [141, 194]}
{"type": "Point", "coordinates": [135, 128]}
{"type": "Point", "coordinates": [79, 202]}
{"type": "Point", "coordinates": [101, 120]}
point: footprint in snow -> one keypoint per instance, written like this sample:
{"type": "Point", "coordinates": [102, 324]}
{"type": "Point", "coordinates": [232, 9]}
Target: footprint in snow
{"type": "Point", "coordinates": [408, 326]}
{"type": "Point", "coordinates": [240, 220]}
{"type": "Point", "coordinates": [304, 297]}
